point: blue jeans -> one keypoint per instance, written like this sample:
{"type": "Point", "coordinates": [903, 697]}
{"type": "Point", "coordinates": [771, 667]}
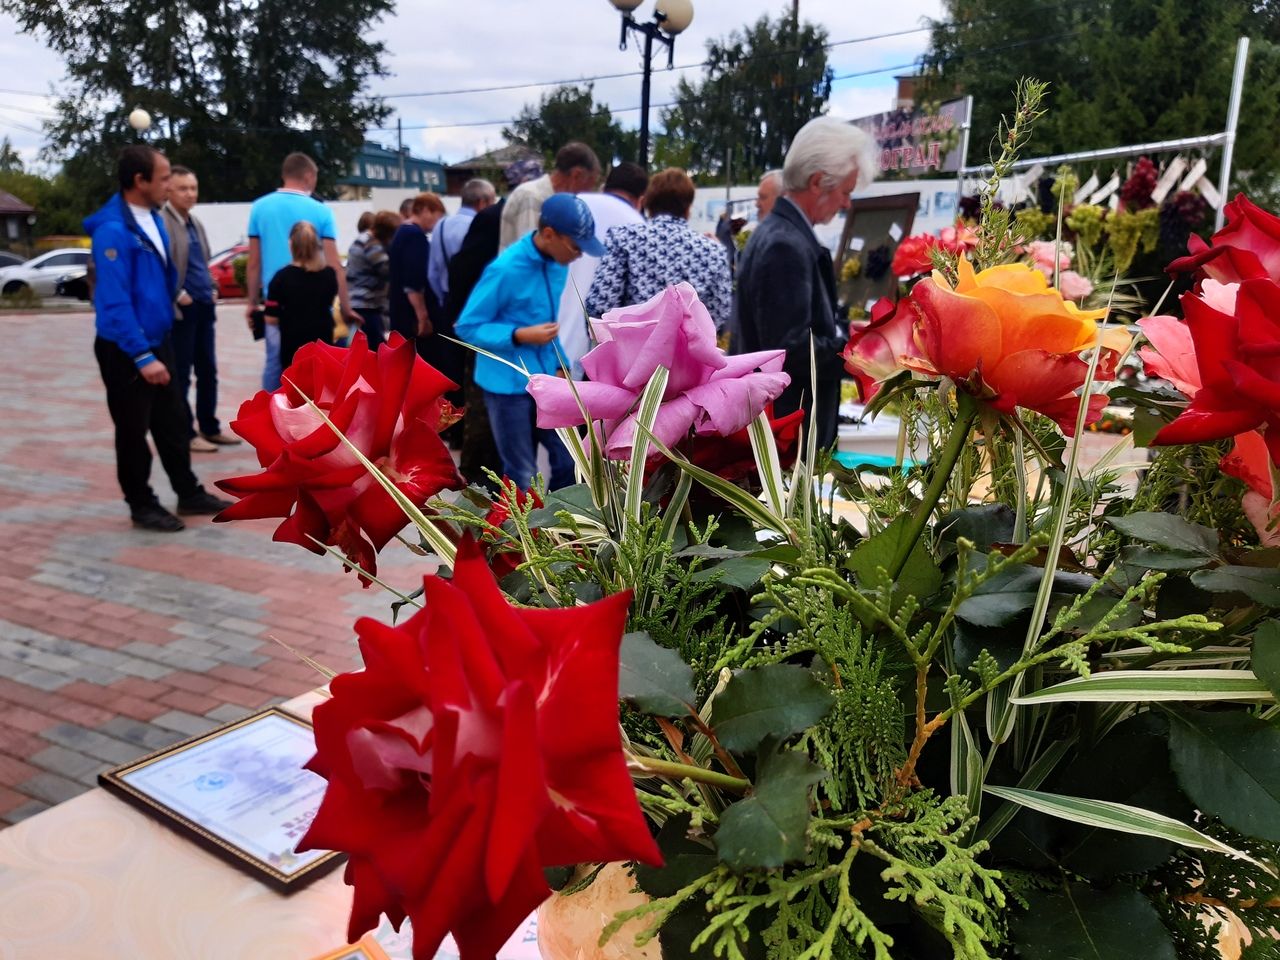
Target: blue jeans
{"type": "Point", "coordinates": [271, 369]}
{"type": "Point", "coordinates": [193, 348]}
{"type": "Point", "coordinates": [512, 418]}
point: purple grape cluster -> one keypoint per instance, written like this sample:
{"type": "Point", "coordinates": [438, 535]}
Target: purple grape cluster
{"type": "Point", "coordinates": [1137, 190]}
{"type": "Point", "coordinates": [1180, 214]}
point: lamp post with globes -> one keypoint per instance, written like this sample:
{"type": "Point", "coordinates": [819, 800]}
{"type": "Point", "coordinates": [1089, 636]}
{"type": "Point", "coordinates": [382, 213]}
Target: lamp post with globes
{"type": "Point", "coordinates": [670, 18]}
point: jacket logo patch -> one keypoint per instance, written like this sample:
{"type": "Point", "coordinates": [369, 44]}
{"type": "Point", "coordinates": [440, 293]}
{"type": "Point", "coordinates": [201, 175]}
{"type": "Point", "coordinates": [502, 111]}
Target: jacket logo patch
{"type": "Point", "coordinates": [110, 253]}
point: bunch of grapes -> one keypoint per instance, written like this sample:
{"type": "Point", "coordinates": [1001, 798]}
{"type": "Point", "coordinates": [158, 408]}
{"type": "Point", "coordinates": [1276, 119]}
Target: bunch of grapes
{"type": "Point", "coordinates": [970, 207]}
{"type": "Point", "coordinates": [1124, 231]}
{"type": "Point", "coordinates": [1035, 224]}
{"type": "Point", "coordinates": [1137, 190]}
{"type": "Point", "coordinates": [877, 262]}
{"type": "Point", "coordinates": [1180, 215]}
{"type": "Point", "coordinates": [1086, 221]}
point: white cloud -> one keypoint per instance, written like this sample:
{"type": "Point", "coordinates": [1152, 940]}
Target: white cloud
{"type": "Point", "coordinates": [482, 43]}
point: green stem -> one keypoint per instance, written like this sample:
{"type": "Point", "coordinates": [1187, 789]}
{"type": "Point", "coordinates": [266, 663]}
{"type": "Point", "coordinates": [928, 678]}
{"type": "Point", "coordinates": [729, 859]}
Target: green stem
{"type": "Point", "coordinates": [684, 771]}
{"type": "Point", "coordinates": [967, 412]}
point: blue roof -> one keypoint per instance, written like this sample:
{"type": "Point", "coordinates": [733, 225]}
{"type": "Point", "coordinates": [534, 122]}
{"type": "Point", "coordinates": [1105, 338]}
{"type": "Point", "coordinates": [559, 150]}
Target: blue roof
{"type": "Point", "coordinates": [378, 166]}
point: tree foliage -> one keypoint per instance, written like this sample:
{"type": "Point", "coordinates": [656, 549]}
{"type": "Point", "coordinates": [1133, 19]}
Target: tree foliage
{"type": "Point", "coordinates": [232, 85]}
{"type": "Point", "coordinates": [571, 113]}
{"type": "Point", "coordinates": [760, 86]}
{"type": "Point", "coordinates": [1119, 72]}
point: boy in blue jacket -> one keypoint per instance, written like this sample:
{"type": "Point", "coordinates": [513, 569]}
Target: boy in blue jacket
{"type": "Point", "coordinates": [134, 289]}
{"type": "Point", "coordinates": [512, 314]}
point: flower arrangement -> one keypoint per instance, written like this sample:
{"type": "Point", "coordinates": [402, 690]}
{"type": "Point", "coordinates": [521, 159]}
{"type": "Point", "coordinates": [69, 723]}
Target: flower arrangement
{"type": "Point", "coordinates": [988, 704]}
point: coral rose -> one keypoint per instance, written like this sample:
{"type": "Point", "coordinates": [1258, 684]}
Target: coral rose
{"type": "Point", "coordinates": [707, 391]}
{"type": "Point", "coordinates": [1008, 338]}
{"type": "Point", "coordinates": [1172, 355]}
{"type": "Point", "coordinates": [1247, 461]}
{"type": "Point", "coordinates": [913, 255]}
{"type": "Point", "coordinates": [390, 405]}
{"type": "Point", "coordinates": [479, 745]}
{"type": "Point", "coordinates": [878, 347]}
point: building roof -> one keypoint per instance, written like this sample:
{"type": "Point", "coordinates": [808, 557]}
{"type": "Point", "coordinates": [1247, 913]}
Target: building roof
{"type": "Point", "coordinates": [379, 166]}
{"type": "Point", "coordinates": [497, 159]}
{"type": "Point", "coordinates": [11, 204]}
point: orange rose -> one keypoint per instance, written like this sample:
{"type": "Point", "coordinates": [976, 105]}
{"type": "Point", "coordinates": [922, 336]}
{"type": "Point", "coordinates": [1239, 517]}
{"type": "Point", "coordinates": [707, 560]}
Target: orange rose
{"type": "Point", "coordinates": [1007, 337]}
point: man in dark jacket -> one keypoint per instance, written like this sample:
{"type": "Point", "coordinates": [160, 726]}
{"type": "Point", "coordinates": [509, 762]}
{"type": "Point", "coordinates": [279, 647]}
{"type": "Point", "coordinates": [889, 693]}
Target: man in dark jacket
{"type": "Point", "coordinates": [786, 283]}
{"type": "Point", "coordinates": [134, 293]}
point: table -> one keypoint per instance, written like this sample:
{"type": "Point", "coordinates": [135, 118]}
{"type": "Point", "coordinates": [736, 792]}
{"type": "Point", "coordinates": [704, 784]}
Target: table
{"type": "Point", "coordinates": [95, 878]}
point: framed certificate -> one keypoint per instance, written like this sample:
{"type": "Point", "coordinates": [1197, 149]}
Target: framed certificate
{"type": "Point", "coordinates": [240, 791]}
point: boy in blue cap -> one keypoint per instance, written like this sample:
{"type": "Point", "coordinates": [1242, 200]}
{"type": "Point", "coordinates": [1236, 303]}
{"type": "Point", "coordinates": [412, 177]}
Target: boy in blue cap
{"type": "Point", "coordinates": [511, 313]}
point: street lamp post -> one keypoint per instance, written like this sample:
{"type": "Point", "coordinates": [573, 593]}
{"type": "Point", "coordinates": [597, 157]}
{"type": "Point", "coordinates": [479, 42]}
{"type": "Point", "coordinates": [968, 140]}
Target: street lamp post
{"type": "Point", "coordinates": [670, 18]}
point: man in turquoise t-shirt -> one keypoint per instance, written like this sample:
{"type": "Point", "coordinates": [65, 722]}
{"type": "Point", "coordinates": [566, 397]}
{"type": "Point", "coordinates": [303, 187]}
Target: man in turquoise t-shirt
{"type": "Point", "coordinates": [270, 219]}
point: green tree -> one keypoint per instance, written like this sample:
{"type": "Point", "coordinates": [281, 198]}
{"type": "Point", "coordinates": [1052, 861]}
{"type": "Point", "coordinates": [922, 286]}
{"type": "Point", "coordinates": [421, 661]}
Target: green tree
{"type": "Point", "coordinates": [571, 113]}
{"type": "Point", "coordinates": [760, 86]}
{"type": "Point", "coordinates": [10, 160]}
{"type": "Point", "coordinates": [59, 208]}
{"type": "Point", "coordinates": [1121, 72]}
{"type": "Point", "coordinates": [232, 85]}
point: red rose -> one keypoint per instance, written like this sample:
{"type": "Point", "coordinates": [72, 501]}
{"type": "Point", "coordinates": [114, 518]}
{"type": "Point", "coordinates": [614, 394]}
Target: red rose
{"type": "Point", "coordinates": [389, 404]}
{"type": "Point", "coordinates": [479, 745]}
{"type": "Point", "coordinates": [876, 347]}
{"type": "Point", "coordinates": [912, 256]}
{"type": "Point", "coordinates": [503, 559]}
{"type": "Point", "coordinates": [1247, 248]}
{"type": "Point", "coordinates": [1237, 346]}
{"type": "Point", "coordinates": [732, 458]}
{"type": "Point", "coordinates": [1247, 461]}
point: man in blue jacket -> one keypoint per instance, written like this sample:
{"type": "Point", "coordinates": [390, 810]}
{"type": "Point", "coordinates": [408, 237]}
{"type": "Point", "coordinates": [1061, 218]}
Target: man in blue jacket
{"type": "Point", "coordinates": [135, 285]}
{"type": "Point", "coordinates": [512, 314]}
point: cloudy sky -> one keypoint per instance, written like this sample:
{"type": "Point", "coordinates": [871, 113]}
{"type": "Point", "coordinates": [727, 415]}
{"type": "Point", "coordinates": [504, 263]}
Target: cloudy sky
{"type": "Point", "coordinates": [436, 46]}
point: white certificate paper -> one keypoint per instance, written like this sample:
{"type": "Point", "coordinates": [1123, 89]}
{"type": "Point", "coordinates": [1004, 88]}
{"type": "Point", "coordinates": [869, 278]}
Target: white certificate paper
{"type": "Point", "coordinates": [246, 786]}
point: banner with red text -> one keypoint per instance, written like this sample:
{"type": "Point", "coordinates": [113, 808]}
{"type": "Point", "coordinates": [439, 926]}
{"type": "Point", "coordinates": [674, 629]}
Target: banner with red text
{"type": "Point", "coordinates": [922, 142]}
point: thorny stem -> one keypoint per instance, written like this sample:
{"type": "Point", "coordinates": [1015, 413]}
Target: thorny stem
{"type": "Point", "coordinates": [652, 766]}
{"type": "Point", "coordinates": [967, 412]}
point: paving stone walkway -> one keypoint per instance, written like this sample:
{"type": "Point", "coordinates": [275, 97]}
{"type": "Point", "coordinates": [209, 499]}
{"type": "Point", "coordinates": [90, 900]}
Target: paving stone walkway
{"type": "Point", "coordinates": [114, 641]}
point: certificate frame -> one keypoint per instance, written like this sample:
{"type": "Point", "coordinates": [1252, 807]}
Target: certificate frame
{"type": "Point", "coordinates": [152, 784]}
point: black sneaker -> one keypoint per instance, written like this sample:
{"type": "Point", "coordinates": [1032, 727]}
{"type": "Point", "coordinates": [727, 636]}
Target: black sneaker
{"type": "Point", "coordinates": [201, 502]}
{"type": "Point", "coordinates": [156, 517]}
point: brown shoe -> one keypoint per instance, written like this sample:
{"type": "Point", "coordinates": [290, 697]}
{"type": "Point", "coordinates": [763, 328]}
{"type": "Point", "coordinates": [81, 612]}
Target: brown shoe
{"type": "Point", "coordinates": [201, 445]}
{"type": "Point", "coordinates": [221, 439]}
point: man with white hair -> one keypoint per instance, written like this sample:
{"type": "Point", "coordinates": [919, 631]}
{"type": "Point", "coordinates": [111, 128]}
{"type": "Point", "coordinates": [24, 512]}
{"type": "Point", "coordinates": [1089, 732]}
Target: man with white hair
{"type": "Point", "coordinates": [786, 283]}
{"type": "Point", "coordinates": [767, 193]}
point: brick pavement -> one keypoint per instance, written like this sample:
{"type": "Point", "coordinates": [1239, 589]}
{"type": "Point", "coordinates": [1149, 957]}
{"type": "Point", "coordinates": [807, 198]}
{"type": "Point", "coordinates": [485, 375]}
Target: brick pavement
{"type": "Point", "coordinates": [115, 641]}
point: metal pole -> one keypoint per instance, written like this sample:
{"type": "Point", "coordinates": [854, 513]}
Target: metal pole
{"type": "Point", "coordinates": [964, 149]}
{"type": "Point", "coordinates": [644, 96]}
{"type": "Point", "coordinates": [400, 150]}
{"type": "Point", "coordinates": [1110, 153]}
{"type": "Point", "coordinates": [1233, 121]}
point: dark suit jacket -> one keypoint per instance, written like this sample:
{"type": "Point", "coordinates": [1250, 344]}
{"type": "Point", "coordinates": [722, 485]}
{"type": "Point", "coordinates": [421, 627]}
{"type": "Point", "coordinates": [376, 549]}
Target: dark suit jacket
{"type": "Point", "coordinates": [478, 248]}
{"type": "Point", "coordinates": [787, 291]}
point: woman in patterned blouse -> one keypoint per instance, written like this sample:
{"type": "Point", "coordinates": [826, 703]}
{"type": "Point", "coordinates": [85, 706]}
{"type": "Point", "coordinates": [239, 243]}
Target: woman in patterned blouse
{"type": "Point", "coordinates": [643, 259]}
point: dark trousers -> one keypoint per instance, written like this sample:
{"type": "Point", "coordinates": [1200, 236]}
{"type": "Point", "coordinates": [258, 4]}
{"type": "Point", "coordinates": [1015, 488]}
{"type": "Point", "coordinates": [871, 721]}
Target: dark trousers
{"type": "Point", "coordinates": [823, 416]}
{"type": "Point", "coordinates": [193, 348]}
{"type": "Point", "coordinates": [513, 419]}
{"type": "Point", "coordinates": [138, 407]}
{"type": "Point", "coordinates": [479, 452]}
{"type": "Point", "coordinates": [373, 327]}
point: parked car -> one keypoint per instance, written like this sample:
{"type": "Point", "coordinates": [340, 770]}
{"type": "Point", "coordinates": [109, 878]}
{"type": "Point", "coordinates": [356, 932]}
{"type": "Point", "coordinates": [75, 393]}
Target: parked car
{"type": "Point", "coordinates": [74, 285]}
{"type": "Point", "coordinates": [40, 275]}
{"type": "Point", "coordinates": [223, 270]}
{"type": "Point", "coordinates": [10, 259]}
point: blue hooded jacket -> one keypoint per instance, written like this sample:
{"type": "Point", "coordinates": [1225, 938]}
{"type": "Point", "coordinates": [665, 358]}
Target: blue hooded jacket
{"type": "Point", "coordinates": [135, 284]}
{"type": "Point", "coordinates": [520, 288]}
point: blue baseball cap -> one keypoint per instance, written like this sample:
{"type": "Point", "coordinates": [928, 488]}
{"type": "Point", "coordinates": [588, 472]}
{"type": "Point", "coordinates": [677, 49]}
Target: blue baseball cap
{"type": "Point", "coordinates": [565, 213]}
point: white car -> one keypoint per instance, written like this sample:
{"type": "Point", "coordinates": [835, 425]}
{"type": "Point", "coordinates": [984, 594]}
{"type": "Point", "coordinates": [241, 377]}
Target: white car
{"type": "Point", "coordinates": [41, 274]}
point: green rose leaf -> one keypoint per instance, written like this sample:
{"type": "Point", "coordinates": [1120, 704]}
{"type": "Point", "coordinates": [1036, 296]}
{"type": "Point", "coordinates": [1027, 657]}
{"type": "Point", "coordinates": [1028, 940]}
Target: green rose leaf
{"type": "Point", "coordinates": [777, 700]}
{"type": "Point", "coordinates": [740, 572]}
{"type": "Point", "coordinates": [1149, 558]}
{"type": "Point", "coordinates": [653, 678]}
{"type": "Point", "coordinates": [995, 609]}
{"type": "Point", "coordinates": [1168, 532]}
{"type": "Point", "coordinates": [920, 577]}
{"type": "Point", "coordinates": [1080, 923]}
{"type": "Point", "coordinates": [1266, 655]}
{"type": "Point", "coordinates": [767, 829]}
{"type": "Point", "coordinates": [1257, 583]}
{"type": "Point", "coordinates": [983, 525]}
{"type": "Point", "coordinates": [1226, 763]}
